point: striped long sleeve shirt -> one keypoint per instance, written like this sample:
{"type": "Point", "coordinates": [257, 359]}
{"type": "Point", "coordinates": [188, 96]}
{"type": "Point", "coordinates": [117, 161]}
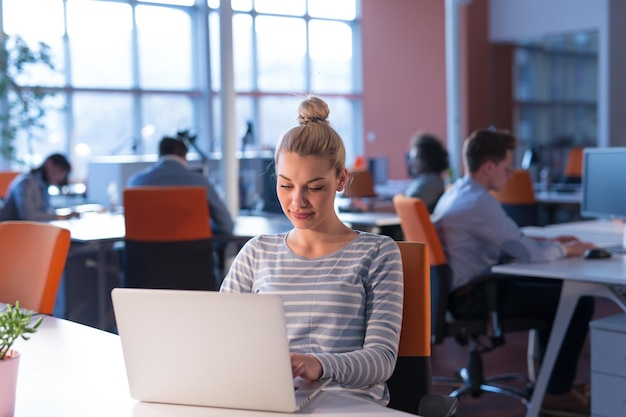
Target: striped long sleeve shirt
{"type": "Point", "coordinates": [344, 308]}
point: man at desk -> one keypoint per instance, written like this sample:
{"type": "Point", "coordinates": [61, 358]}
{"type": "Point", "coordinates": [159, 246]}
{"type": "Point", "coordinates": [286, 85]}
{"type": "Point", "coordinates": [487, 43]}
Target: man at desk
{"type": "Point", "coordinates": [475, 232]}
{"type": "Point", "coordinates": [171, 169]}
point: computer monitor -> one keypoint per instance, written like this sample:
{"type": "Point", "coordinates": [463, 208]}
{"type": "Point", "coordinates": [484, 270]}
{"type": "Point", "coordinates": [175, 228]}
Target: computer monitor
{"type": "Point", "coordinates": [604, 170]}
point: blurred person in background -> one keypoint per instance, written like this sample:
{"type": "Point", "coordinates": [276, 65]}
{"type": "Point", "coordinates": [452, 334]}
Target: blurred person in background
{"type": "Point", "coordinates": [28, 197]}
{"type": "Point", "coordinates": [427, 162]}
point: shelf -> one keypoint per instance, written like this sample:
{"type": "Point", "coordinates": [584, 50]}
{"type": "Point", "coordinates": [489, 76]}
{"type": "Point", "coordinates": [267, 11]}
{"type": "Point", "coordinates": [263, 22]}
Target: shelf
{"type": "Point", "coordinates": [555, 90]}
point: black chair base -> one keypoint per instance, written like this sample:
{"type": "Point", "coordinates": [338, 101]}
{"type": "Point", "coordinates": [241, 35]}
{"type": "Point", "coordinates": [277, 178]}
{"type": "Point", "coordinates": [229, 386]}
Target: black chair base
{"type": "Point", "coordinates": [471, 380]}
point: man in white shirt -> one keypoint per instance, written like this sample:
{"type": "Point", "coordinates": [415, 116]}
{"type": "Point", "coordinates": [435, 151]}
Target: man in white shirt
{"type": "Point", "coordinates": [476, 232]}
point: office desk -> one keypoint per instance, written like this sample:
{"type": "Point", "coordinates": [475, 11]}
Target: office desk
{"type": "Point", "coordinates": [559, 197]}
{"type": "Point", "coordinates": [110, 226]}
{"type": "Point", "coordinates": [604, 233]}
{"type": "Point", "coordinates": [71, 370]}
{"type": "Point", "coordinates": [370, 221]}
{"type": "Point", "coordinates": [581, 277]}
{"type": "Point", "coordinates": [552, 201]}
{"type": "Point", "coordinates": [604, 227]}
{"type": "Point", "coordinates": [107, 228]}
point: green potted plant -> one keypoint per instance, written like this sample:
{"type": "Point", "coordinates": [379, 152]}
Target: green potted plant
{"type": "Point", "coordinates": [22, 107]}
{"type": "Point", "coordinates": [15, 323]}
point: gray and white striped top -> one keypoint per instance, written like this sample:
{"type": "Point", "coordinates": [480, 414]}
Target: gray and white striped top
{"type": "Point", "coordinates": [345, 308]}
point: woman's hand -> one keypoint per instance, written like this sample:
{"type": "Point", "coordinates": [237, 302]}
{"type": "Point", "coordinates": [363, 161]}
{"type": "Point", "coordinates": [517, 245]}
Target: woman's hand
{"type": "Point", "coordinates": [305, 366]}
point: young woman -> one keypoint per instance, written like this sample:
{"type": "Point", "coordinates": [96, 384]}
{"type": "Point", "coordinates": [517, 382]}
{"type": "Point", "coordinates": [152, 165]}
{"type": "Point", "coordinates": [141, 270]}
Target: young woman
{"type": "Point", "coordinates": [342, 289]}
{"type": "Point", "coordinates": [427, 162]}
{"type": "Point", "coordinates": [28, 197]}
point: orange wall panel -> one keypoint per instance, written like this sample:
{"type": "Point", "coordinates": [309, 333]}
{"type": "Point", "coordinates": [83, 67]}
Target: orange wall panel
{"type": "Point", "coordinates": [403, 76]}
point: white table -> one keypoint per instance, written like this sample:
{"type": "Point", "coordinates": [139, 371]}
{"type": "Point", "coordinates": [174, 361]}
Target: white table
{"type": "Point", "coordinates": [552, 201]}
{"type": "Point", "coordinates": [559, 197]}
{"type": "Point", "coordinates": [606, 227]}
{"type": "Point", "coordinates": [603, 233]}
{"type": "Point", "coordinates": [71, 370]}
{"type": "Point", "coordinates": [581, 277]}
{"type": "Point", "coordinates": [370, 221]}
{"type": "Point", "coordinates": [106, 228]}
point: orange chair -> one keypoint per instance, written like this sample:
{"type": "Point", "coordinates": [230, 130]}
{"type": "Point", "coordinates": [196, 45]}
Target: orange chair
{"type": "Point", "coordinates": [573, 170]}
{"type": "Point", "coordinates": [5, 180]}
{"type": "Point", "coordinates": [360, 184]}
{"type": "Point", "coordinates": [413, 213]}
{"type": "Point", "coordinates": [417, 226]}
{"type": "Point", "coordinates": [168, 238]}
{"type": "Point", "coordinates": [518, 199]}
{"type": "Point", "coordinates": [410, 384]}
{"type": "Point", "coordinates": [32, 258]}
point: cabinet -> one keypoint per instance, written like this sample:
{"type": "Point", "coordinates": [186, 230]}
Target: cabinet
{"type": "Point", "coordinates": [608, 366]}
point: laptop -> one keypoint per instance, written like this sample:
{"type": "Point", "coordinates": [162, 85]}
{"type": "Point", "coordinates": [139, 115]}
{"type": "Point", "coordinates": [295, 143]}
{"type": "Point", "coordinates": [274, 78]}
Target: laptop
{"type": "Point", "coordinates": [207, 348]}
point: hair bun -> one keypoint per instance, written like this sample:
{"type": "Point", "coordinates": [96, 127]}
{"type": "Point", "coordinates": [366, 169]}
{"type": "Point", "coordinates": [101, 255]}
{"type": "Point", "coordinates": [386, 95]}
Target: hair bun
{"type": "Point", "coordinates": [307, 120]}
{"type": "Point", "coordinates": [313, 110]}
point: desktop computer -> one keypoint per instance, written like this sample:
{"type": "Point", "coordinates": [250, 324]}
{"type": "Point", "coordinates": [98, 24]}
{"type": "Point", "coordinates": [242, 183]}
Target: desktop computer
{"type": "Point", "coordinates": [603, 195]}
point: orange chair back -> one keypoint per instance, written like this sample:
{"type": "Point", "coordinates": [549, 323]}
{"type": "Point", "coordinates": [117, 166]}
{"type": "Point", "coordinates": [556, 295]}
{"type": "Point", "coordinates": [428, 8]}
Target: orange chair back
{"type": "Point", "coordinates": [166, 214]}
{"type": "Point", "coordinates": [32, 258]}
{"type": "Point", "coordinates": [518, 190]}
{"type": "Point", "coordinates": [360, 184]}
{"type": "Point", "coordinates": [415, 333]}
{"type": "Point", "coordinates": [5, 180]}
{"type": "Point", "coordinates": [574, 163]}
{"type": "Point", "coordinates": [417, 226]}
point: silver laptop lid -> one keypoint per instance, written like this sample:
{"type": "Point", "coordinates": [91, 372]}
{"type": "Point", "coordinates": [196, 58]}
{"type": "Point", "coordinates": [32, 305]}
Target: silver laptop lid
{"type": "Point", "coordinates": [205, 348]}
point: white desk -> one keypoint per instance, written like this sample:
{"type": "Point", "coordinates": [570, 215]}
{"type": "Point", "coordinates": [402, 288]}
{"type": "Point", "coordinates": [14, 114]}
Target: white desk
{"type": "Point", "coordinates": [559, 197]}
{"type": "Point", "coordinates": [605, 227]}
{"type": "Point", "coordinates": [106, 228]}
{"type": "Point", "coordinates": [71, 370]}
{"type": "Point", "coordinates": [553, 201]}
{"type": "Point", "coordinates": [603, 233]}
{"type": "Point", "coordinates": [581, 277]}
{"type": "Point", "coordinates": [370, 221]}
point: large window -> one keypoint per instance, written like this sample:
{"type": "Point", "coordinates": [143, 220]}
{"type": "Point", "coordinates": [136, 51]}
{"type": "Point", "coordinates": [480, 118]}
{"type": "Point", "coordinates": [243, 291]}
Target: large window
{"type": "Point", "coordinates": [130, 71]}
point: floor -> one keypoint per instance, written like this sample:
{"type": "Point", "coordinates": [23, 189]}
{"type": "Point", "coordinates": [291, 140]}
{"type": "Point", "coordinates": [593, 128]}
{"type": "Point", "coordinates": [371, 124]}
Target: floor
{"type": "Point", "coordinates": [449, 356]}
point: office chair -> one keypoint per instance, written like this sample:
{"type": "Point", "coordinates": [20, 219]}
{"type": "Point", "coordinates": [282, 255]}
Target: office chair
{"type": "Point", "coordinates": [360, 184]}
{"type": "Point", "coordinates": [5, 180]}
{"type": "Point", "coordinates": [518, 199]}
{"type": "Point", "coordinates": [168, 238]}
{"type": "Point", "coordinates": [410, 384]}
{"type": "Point", "coordinates": [417, 226]}
{"type": "Point", "coordinates": [32, 258]}
{"type": "Point", "coordinates": [573, 169]}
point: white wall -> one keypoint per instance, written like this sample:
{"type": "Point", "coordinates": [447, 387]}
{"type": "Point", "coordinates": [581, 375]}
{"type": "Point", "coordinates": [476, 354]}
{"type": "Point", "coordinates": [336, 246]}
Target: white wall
{"type": "Point", "coordinates": [512, 20]}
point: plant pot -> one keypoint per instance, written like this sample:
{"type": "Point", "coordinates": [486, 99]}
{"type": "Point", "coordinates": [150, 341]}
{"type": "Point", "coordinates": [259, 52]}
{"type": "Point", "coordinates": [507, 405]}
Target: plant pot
{"type": "Point", "coordinates": [8, 382]}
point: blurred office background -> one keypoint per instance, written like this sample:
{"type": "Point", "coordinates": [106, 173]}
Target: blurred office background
{"type": "Point", "coordinates": [130, 71]}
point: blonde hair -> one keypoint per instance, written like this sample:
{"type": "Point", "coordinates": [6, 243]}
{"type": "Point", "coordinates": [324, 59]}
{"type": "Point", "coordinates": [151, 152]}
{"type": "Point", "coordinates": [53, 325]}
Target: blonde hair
{"type": "Point", "coordinates": [314, 136]}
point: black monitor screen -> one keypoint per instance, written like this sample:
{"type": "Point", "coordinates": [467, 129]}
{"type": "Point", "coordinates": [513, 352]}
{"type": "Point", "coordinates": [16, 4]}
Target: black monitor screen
{"type": "Point", "coordinates": [604, 189]}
